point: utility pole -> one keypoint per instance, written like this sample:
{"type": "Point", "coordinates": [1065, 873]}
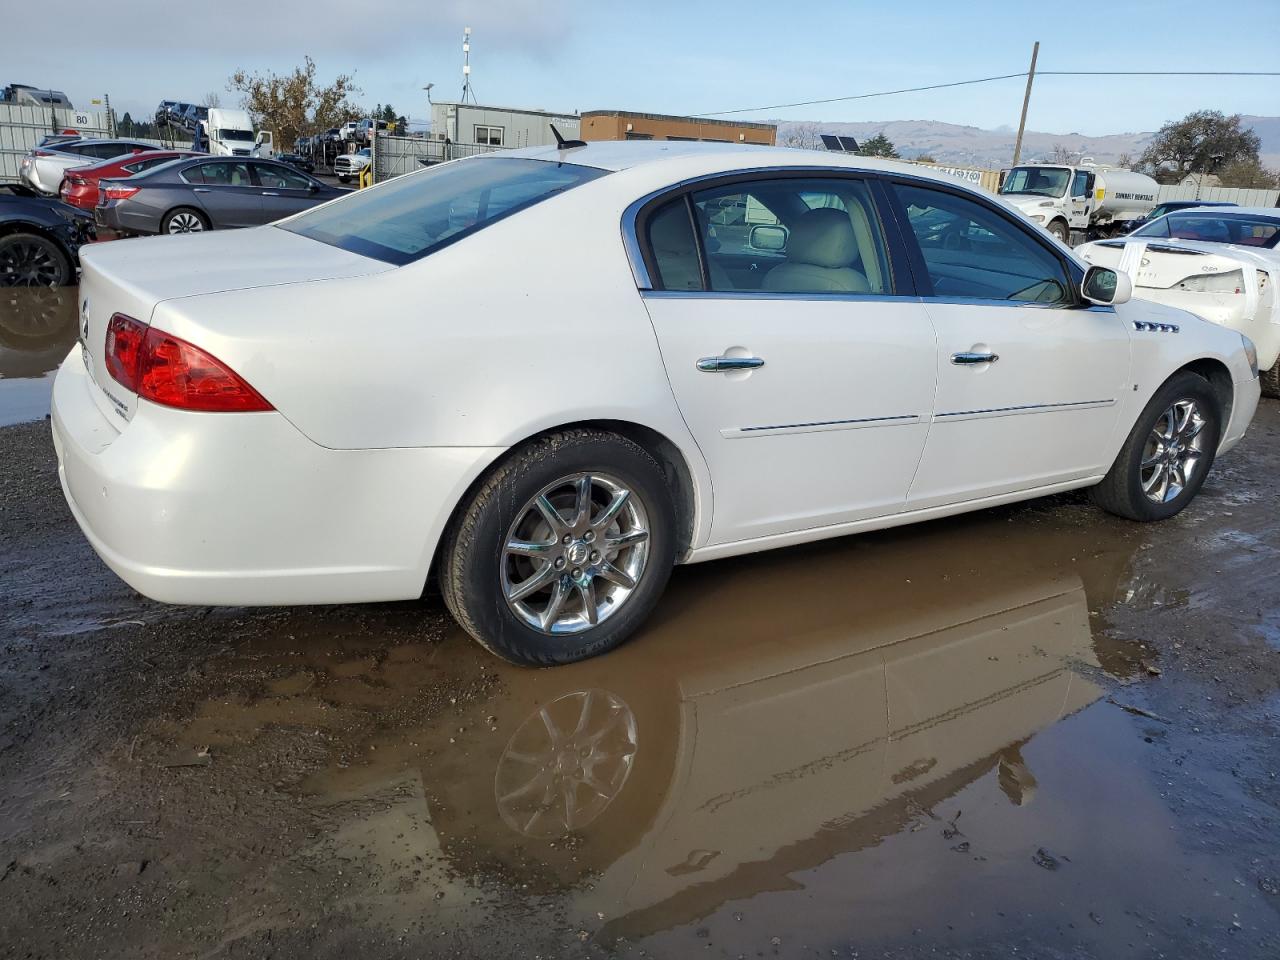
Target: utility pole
{"type": "Point", "coordinates": [1026, 99]}
{"type": "Point", "coordinates": [466, 66]}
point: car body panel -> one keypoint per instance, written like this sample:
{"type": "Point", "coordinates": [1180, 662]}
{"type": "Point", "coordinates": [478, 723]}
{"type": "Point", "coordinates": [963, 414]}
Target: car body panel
{"type": "Point", "coordinates": [22, 209]}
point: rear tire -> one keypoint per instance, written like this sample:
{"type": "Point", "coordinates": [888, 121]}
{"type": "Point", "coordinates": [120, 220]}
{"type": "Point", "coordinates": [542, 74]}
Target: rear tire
{"type": "Point", "coordinates": [1163, 464]}
{"type": "Point", "coordinates": [184, 220]}
{"type": "Point", "coordinates": [30, 260]}
{"type": "Point", "coordinates": [1271, 381]}
{"type": "Point", "coordinates": [575, 557]}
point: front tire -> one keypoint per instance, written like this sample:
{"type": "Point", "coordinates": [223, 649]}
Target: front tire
{"type": "Point", "coordinates": [563, 550]}
{"type": "Point", "coordinates": [1168, 454]}
{"type": "Point", "coordinates": [184, 220]}
{"type": "Point", "coordinates": [30, 260]}
{"type": "Point", "coordinates": [1059, 230]}
{"type": "Point", "coordinates": [1270, 380]}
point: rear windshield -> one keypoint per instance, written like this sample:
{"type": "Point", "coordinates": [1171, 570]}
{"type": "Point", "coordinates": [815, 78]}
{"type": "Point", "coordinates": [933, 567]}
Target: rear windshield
{"type": "Point", "coordinates": [1240, 229]}
{"type": "Point", "coordinates": [411, 216]}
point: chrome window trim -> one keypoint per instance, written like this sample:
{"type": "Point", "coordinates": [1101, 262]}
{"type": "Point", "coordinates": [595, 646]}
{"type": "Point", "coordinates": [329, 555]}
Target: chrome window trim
{"type": "Point", "coordinates": [772, 295]}
{"type": "Point", "coordinates": [1020, 410]}
{"type": "Point", "coordinates": [820, 426]}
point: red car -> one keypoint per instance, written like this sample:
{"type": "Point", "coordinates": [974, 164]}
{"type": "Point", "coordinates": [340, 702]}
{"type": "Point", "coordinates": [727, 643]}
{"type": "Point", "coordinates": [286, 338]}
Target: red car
{"type": "Point", "coordinates": [80, 184]}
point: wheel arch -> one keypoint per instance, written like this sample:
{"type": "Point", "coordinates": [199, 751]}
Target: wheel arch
{"type": "Point", "coordinates": [676, 468]}
{"type": "Point", "coordinates": [1219, 377]}
{"type": "Point", "coordinates": [9, 228]}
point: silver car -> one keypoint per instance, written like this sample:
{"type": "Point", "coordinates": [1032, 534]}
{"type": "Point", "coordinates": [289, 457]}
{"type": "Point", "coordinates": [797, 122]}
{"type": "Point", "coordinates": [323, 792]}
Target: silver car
{"type": "Point", "coordinates": [44, 167]}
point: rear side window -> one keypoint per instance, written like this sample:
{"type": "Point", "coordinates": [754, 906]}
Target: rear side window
{"type": "Point", "coordinates": [674, 247]}
{"type": "Point", "coordinates": [409, 217]}
{"type": "Point", "coordinates": [223, 173]}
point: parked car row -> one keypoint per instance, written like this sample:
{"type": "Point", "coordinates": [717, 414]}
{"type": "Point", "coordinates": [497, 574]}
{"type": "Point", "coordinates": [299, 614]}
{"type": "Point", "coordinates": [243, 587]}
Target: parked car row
{"type": "Point", "coordinates": [186, 116]}
{"type": "Point", "coordinates": [45, 166]}
{"type": "Point", "coordinates": [879, 345]}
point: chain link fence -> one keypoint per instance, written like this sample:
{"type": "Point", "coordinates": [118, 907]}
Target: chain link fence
{"type": "Point", "coordinates": [393, 156]}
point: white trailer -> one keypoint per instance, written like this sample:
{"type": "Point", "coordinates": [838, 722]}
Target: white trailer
{"type": "Point", "coordinates": [1080, 203]}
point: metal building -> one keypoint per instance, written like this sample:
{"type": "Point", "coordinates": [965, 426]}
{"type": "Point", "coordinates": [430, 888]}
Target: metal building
{"type": "Point", "coordinates": [471, 123]}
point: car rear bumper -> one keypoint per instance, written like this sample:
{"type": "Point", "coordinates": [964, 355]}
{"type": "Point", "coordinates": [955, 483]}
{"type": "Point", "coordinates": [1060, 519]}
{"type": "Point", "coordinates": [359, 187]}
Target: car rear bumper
{"type": "Point", "coordinates": [114, 216]}
{"type": "Point", "coordinates": [217, 509]}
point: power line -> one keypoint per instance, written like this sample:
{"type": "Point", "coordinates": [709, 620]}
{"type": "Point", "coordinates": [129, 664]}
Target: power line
{"type": "Point", "coordinates": [1003, 76]}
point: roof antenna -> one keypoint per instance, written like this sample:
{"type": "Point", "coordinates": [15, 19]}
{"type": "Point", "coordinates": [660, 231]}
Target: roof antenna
{"type": "Point", "coordinates": [562, 143]}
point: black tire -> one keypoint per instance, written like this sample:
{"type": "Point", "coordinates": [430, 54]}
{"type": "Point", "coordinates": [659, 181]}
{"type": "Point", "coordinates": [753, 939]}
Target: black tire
{"type": "Point", "coordinates": [344, 179]}
{"type": "Point", "coordinates": [1121, 491]}
{"type": "Point", "coordinates": [31, 260]}
{"type": "Point", "coordinates": [1059, 230]}
{"type": "Point", "coordinates": [1271, 381]}
{"type": "Point", "coordinates": [167, 225]}
{"type": "Point", "coordinates": [472, 555]}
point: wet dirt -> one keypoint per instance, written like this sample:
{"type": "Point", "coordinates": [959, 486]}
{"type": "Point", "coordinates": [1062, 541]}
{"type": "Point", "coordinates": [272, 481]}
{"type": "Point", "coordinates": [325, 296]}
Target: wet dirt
{"type": "Point", "coordinates": [37, 328]}
{"type": "Point", "coordinates": [1035, 731]}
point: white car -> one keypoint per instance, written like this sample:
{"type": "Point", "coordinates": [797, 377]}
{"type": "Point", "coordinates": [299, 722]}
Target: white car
{"type": "Point", "coordinates": [549, 375]}
{"type": "Point", "coordinates": [43, 168]}
{"type": "Point", "coordinates": [1221, 263]}
{"type": "Point", "coordinates": [349, 165]}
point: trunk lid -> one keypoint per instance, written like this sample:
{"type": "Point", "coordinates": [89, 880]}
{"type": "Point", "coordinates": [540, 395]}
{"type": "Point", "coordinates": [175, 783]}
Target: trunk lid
{"type": "Point", "coordinates": [134, 276]}
{"type": "Point", "coordinates": [1164, 264]}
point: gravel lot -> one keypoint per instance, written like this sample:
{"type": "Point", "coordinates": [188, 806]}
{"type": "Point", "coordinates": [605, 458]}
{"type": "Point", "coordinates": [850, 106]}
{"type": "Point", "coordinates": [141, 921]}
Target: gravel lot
{"type": "Point", "coordinates": [1035, 731]}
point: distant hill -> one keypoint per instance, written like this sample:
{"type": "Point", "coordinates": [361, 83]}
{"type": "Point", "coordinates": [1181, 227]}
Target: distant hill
{"type": "Point", "coordinates": [975, 147]}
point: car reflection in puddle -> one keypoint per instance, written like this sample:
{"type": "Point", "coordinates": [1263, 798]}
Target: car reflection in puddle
{"type": "Point", "coordinates": [37, 328]}
{"type": "Point", "coordinates": [808, 740]}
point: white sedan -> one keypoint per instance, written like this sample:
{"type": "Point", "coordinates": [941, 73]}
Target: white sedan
{"type": "Point", "coordinates": [1221, 263]}
{"type": "Point", "coordinates": [549, 375]}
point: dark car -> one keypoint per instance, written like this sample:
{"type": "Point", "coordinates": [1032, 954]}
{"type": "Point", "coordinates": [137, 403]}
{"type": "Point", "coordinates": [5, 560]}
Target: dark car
{"type": "Point", "coordinates": [194, 115]}
{"type": "Point", "coordinates": [40, 238]}
{"type": "Point", "coordinates": [297, 160]}
{"type": "Point", "coordinates": [208, 193]}
{"type": "Point", "coordinates": [1171, 205]}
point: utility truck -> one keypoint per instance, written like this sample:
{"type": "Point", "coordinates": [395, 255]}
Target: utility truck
{"type": "Point", "coordinates": [229, 133]}
{"type": "Point", "coordinates": [1080, 203]}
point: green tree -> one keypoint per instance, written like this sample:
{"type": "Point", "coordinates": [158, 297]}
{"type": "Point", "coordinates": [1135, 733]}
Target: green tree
{"type": "Point", "coordinates": [879, 146]}
{"type": "Point", "coordinates": [295, 103]}
{"type": "Point", "coordinates": [1201, 142]}
{"type": "Point", "coordinates": [125, 126]}
{"type": "Point", "coordinates": [1249, 173]}
{"type": "Point", "coordinates": [926, 158]}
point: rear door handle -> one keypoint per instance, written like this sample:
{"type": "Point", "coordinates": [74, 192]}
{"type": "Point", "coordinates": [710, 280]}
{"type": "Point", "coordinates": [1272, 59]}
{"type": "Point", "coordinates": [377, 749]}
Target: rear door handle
{"type": "Point", "coordinates": [724, 364]}
{"type": "Point", "coordinates": [965, 359]}
{"type": "Point", "coordinates": [200, 190]}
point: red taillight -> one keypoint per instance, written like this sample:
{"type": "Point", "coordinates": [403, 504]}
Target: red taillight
{"type": "Point", "coordinates": [73, 180]}
{"type": "Point", "coordinates": [119, 193]}
{"type": "Point", "coordinates": [165, 369]}
{"type": "Point", "coordinates": [41, 153]}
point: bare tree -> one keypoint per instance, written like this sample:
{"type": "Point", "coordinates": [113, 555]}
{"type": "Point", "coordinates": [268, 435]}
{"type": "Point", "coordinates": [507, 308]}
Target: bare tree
{"type": "Point", "coordinates": [1124, 161]}
{"type": "Point", "coordinates": [213, 99]}
{"type": "Point", "coordinates": [1060, 154]}
{"type": "Point", "coordinates": [803, 136]}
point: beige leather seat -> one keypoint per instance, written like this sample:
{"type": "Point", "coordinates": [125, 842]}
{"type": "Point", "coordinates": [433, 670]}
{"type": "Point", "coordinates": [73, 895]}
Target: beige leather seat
{"type": "Point", "coordinates": [820, 255]}
{"type": "Point", "coordinates": [676, 253]}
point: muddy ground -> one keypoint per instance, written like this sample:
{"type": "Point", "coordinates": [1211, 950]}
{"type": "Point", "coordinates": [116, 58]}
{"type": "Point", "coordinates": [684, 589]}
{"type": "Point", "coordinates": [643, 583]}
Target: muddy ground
{"type": "Point", "coordinates": [1035, 731]}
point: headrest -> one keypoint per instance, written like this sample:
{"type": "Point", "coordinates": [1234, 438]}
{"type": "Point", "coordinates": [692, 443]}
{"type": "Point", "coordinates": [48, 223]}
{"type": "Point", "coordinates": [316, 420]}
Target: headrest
{"type": "Point", "coordinates": [823, 237]}
{"type": "Point", "coordinates": [670, 231]}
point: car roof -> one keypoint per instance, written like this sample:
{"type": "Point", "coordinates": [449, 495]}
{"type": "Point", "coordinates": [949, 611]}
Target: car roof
{"type": "Point", "coordinates": [618, 155]}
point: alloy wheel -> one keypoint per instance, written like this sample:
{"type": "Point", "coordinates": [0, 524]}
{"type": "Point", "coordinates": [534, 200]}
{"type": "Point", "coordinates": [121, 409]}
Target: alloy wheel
{"type": "Point", "coordinates": [29, 263]}
{"type": "Point", "coordinates": [185, 223]}
{"type": "Point", "coordinates": [575, 553]}
{"type": "Point", "coordinates": [1174, 452]}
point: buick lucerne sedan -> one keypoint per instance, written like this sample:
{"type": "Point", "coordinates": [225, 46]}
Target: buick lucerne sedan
{"type": "Point", "coordinates": [546, 376]}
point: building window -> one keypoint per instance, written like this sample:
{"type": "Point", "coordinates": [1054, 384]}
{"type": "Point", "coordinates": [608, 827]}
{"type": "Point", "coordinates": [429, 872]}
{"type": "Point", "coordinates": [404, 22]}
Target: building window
{"type": "Point", "coordinates": [632, 135]}
{"type": "Point", "coordinates": [489, 136]}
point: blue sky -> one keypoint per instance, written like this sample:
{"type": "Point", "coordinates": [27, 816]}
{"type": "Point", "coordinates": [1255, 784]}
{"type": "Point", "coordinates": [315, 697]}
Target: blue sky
{"type": "Point", "coordinates": [691, 57]}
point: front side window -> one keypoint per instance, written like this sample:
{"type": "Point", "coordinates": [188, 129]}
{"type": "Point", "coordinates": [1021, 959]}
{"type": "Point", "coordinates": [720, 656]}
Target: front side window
{"type": "Point", "coordinates": [1080, 185]}
{"type": "Point", "coordinates": [280, 178]}
{"type": "Point", "coordinates": [971, 251]}
{"type": "Point", "coordinates": [797, 235]}
{"type": "Point", "coordinates": [407, 218]}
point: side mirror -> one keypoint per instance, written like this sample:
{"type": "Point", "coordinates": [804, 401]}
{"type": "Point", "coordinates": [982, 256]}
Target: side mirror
{"type": "Point", "coordinates": [1106, 287]}
{"type": "Point", "coordinates": [766, 236]}
{"type": "Point", "coordinates": [314, 188]}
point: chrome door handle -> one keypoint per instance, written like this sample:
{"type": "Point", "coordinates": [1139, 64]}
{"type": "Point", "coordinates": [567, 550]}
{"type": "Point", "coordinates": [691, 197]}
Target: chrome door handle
{"type": "Point", "coordinates": [724, 364]}
{"type": "Point", "coordinates": [270, 193]}
{"type": "Point", "coordinates": [200, 190]}
{"type": "Point", "coordinates": [963, 359]}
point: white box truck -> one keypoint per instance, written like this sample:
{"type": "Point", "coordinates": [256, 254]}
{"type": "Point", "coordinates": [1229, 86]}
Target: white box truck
{"type": "Point", "coordinates": [1080, 203]}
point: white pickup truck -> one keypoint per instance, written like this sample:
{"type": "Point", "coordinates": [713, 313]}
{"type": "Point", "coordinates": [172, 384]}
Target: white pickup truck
{"type": "Point", "coordinates": [1080, 203]}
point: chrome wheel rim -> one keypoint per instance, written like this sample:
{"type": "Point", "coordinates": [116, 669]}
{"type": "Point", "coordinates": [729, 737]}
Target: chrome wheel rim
{"type": "Point", "coordinates": [28, 263]}
{"type": "Point", "coordinates": [185, 223]}
{"type": "Point", "coordinates": [575, 554]}
{"type": "Point", "coordinates": [566, 763]}
{"type": "Point", "coordinates": [1174, 452]}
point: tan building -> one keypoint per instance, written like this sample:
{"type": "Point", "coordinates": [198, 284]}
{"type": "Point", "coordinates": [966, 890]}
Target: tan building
{"type": "Point", "coordinates": [622, 125]}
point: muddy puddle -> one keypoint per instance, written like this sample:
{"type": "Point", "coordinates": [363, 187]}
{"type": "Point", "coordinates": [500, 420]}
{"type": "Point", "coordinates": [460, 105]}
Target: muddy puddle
{"type": "Point", "coordinates": [37, 328]}
{"type": "Point", "coordinates": [923, 734]}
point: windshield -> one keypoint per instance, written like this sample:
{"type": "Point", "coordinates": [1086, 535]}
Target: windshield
{"type": "Point", "coordinates": [229, 134]}
{"type": "Point", "coordinates": [1248, 231]}
{"type": "Point", "coordinates": [409, 217]}
{"type": "Point", "coordinates": [1040, 181]}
